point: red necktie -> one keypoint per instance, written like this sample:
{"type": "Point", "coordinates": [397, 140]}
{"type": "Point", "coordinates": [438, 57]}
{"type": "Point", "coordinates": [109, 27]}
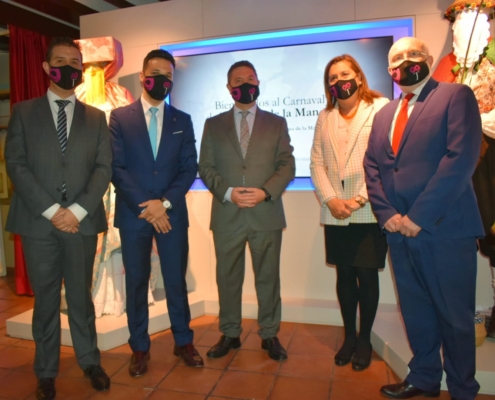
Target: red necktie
{"type": "Point", "coordinates": [400, 122]}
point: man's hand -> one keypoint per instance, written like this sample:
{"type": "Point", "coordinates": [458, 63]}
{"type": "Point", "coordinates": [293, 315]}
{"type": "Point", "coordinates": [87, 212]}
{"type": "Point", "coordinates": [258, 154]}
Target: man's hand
{"type": "Point", "coordinates": [65, 221]}
{"type": "Point", "coordinates": [393, 224]}
{"type": "Point", "coordinates": [247, 197]}
{"type": "Point", "coordinates": [408, 228]}
{"type": "Point", "coordinates": [338, 208]}
{"type": "Point", "coordinates": [153, 211]}
{"type": "Point", "coordinates": [162, 224]}
{"type": "Point", "coordinates": [352, 205]}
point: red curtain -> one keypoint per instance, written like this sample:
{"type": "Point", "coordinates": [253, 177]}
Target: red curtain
{"type": "Point", "coordinates": [27, 80]}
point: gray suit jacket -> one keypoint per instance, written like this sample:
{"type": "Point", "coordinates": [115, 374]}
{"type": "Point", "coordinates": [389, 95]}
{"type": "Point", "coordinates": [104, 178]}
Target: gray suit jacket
{"type": "Point", "coordinates": [269, 164]}
{"type": "Point", "coordinates": [37, 167]}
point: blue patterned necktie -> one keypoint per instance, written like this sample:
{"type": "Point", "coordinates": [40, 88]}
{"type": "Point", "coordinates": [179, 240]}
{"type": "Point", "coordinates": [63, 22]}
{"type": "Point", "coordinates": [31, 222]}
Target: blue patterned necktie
{"type": "Point", "coordinates": [152, 130]}
{"type": "Point", "coordinates": [62, 135]}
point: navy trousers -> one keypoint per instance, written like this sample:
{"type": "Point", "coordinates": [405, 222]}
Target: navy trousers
{"type": "Point", "coordinates": [173, 249]}
{"type": "Point", "coordinates": [436, 282]}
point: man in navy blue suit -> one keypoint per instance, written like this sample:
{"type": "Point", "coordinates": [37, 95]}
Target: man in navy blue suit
{"type": "Point", "coordinates": [421, 156]}
{"type": "Point", "coordinates": [154, 166]}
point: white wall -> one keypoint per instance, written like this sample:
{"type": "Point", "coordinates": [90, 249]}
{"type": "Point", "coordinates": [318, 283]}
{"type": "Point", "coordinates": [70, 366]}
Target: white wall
{"type": "Point", "coordinates": [141, 29]}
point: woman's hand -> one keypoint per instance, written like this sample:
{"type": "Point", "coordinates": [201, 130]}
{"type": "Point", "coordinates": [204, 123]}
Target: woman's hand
{"type": "Point", "coordinates": [338, 208]}
{"type": "Point", "coordinates": [352, 205]}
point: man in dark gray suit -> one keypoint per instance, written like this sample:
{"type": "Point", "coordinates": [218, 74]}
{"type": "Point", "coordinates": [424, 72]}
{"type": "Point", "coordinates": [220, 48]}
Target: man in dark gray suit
{"type": "Point", "coordinates": [246, 162]}
{"type": "Point", "coordinates": [58, 157]}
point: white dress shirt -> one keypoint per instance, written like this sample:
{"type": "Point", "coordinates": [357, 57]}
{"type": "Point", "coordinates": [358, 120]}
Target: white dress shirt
{"type": "Point", "coordinates": [75, 208]}
{"type": "Point", "coordinates": [159, 118]}
{"type": "Point", "coordinates": [237, 121]}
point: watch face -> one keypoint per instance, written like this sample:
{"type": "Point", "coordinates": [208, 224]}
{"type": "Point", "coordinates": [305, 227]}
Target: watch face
{"type": "Point", "coordinates": [166, 204]}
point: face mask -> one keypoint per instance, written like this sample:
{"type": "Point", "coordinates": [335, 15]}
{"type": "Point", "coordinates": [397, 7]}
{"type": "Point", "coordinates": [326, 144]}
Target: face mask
{"type": "Point", "coordinates": [246, 93]}
{"type": "Point", "coordinates": [410, 73]}
{"type": "Point", "coordinates": [66, 77]}
{"type": "Point", "coordinates": [158, 86]}
{"type": "Point", "coordinates": [343, 89]}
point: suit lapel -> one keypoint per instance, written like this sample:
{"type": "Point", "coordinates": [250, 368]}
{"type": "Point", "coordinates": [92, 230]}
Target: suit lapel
{"type": "Point", "coordinates": [333, 120]}
{"type": "Point", "coordinates": [46, 120]}
{"type": "Point", "coordinates": [356, 126]}
{"type": "Point", "coordinates": [420, 104]}
{"type": "Point", "coordinates": [231, 132]}
{"type": "Point", "coordinates": [259, 129]}
{"type": "Point", "coordinates": [140, 127]}
{"type": "Point", "coordinates": [78, 119]}
{"type": "Point", "coordinates": [167, 130]}
{"type": "Point", "coordinates": [389, 111]}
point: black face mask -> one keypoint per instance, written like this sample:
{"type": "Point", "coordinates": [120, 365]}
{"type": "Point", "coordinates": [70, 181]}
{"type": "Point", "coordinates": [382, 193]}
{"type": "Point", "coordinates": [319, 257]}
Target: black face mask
{"type": "Point", "coordinates": [410, 73]}
{"type": "Point", "coordinates": [246, 93]}
{"type": "Point", "coordinates": [66, 77]}
{"type": "Point", "coordinates": [343, 89]}
{"type": "Point", "coordinates": [158, 86]}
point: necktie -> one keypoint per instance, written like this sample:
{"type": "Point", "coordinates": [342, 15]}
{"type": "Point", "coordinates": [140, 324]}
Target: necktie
{"type": "Point", "coordinates": [400, 123]}
{"type": "Point", "coordinates": [62, 135]}
{"type": "Point", "coordinates": [152, 130]}
{"type": "Point", "coordinates": [244, 133]}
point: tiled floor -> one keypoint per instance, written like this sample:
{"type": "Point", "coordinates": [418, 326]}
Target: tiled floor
{"type": "Point", "coordinates": [308, 374]}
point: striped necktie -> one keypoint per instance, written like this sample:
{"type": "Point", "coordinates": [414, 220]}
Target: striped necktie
{"type": "Point", "coordinates": [62, 135]}
{"type": "Point", "coordinates": [244, 133]}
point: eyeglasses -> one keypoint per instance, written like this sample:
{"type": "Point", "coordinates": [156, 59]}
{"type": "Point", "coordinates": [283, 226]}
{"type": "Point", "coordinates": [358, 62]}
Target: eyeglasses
{"type": "Point", "coordinates": [412, 55]}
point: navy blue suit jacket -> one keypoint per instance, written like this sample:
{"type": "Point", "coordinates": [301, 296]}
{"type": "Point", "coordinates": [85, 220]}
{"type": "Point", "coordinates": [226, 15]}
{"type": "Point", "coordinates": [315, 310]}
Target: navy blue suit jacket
{"type": "Point", "coordinates": [429, 179]}
{"type": "Point", "coordinates": [138, 177]}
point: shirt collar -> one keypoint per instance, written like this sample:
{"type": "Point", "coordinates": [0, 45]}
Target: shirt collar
{"type": "Point", "coordinates": [52, 97]}
{"type": "Point", "coordinates": [147, 106]}
{"type": "Point", "coordinates": [252, 110]}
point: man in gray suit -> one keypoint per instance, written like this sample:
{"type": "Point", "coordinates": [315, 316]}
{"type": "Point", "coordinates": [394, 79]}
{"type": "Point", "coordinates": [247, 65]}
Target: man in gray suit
{"type": "Point", "coordinates": [246, 162]}
{"type": "Point", "coordinates": [58, 157]}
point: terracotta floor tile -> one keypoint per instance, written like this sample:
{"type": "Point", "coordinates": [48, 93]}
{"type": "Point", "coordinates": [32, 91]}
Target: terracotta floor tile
{"type": "Point", "coordinates": [244, 385]}
{"type": "Point", "coordinates": [2, 347]}
{"type": "Point", "coordinates": [392, 376]}
{"type": "Point", "coordinates": [221, 398]}
{"type": "Point", "coordinates": [203, 322]}
{"type": "Point", "coordinates": [215, 363]}
{"type": "Point", "coordinates": [342, 390]}
{"type": "Point", "coordinates": [308, 366]}
{"type": "Point", "coordinates": [123, 351]}
{"type": "Point", "coordinates": [376, 372]}
{"type": "Point", "coordinates": [318, 330]}
{"type": "Point", "coordinates": [4, 373]}
{"type": "Point", "coordinates": [195, 380]}
{"type": "Point", "coordinates": [16, 357]}
{"type": "Point", "coordinates": [157, 370]}
{"type": "Point", "coordinates": [68, 388]}
{"type": "Point", "coordinates": [253, 341]}
{"type": "Point", "coordinates": [6, 339]}
{"type": "Point", "coordinates": [209, 338]}
{"type": "Point", "coordinates": [18, 385]}
{"type": "Point", "coordinates": [67, 349]}
{"type": "Point", "coordinates": [26, 344]}
{"type": "Point", "coordinates": [164, 353]}
{"type": "Point", "coordinates": [287, 328]}
{"type": "Point", "coordinates": [160, 394]}
{"type": "Point", "coordinates": [254, 361]}
{"type": "Point", "coordinates": [4, 316]}
{"type": "Point", "coordinates": [7, 294]}
{"type": "Point", "coordinates": [321, 345]}
{"type": "Point", "coordinates": [485, 397]}
{"type": "Point", "coordinates": [247, 324]}
{"type": "Point", "coordinates": [300, 388]}
{"type": "Point", "coordinates": [5, 305]}
{"type": "Point", "coordinates": [20, 308]}
{"type": "Point", "coordinates": [122, 392]}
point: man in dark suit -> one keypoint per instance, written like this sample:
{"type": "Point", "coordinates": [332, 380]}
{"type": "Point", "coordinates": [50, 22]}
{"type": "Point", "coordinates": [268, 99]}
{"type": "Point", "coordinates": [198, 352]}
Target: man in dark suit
{"type": "Point", "coordinates": [154, 166]}
{"type": "Point", "coordinates": [246, 162]}
{"type": "Point", "coordinates": [59, 160]}
{"type": "Point", "coordinates": [421, 156]}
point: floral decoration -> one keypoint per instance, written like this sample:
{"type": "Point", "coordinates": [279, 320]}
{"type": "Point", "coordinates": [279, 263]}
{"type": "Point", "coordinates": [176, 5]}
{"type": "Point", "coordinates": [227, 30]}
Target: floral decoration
{"type": "Point", "coordinates": [459, 6]}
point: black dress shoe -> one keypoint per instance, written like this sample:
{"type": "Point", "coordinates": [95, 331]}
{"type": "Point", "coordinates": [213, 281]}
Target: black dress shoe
{"type": "Point", "coordinates": [99, 379]}
{"type": "Point", "coordinates": [275, 350]}
{"type": "Point", "coordinates": [223, 346]}
{"type": "Point", "coordinates": [344, 355]}
{"type": "Point", "coordinates": [46, 389]}
{"type": "Point", "coordinates": [405, 390]}
{"type": "Point", "coordinates": [362, 357]}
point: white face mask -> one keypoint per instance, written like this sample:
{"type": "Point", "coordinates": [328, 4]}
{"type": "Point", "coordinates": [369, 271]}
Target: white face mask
{"type": "Point", "coordinates": [462, 29]}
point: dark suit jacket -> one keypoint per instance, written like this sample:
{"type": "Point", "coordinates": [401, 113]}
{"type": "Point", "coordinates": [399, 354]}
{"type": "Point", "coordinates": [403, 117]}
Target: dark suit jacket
{"type": "Point", "coordinates": [430, 178]}
{"type": "Point", "coordinates": [269, 163]}
{"type": "Point", "coordinates": [138, 177]}
{"type": "Point", "coordinates": [37, 167]}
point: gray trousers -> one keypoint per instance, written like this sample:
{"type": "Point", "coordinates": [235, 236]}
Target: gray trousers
{"type": "Point", "coordinates": [49, 260]}
{"type": "Point", "coordinates": [230, 249]}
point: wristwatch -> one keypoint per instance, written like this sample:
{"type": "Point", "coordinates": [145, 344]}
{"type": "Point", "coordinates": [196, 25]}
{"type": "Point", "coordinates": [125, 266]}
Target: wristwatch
{"type": "Point", "coordinates": [268, 196]}
{"type": "Point", "coordinates": [360, 200]}
{"type": "Point", "coordinates": [167, 204]}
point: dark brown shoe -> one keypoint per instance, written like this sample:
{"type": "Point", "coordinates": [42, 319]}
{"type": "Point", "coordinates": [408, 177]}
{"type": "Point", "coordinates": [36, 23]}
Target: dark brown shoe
{"type": "Point", "coordinates": [46, 389]}
{"type": "Point", "coordinates": [405, 390]}
{"type": "Point", "coordinates": [223, 346]}
{"type": "Point", "coordinates": [275, 349]}
{"type": "Point", "coordinates": [139, 363]}
{"type": "Point", "coordinates": [189, 354]}
{"type": "Point", "coordinates": [99, 379]}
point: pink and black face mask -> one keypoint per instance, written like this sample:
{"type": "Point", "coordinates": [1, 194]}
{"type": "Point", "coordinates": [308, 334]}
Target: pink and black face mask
{"type": "Point", "coordinates": [158, 86]}
{"type": "Point", "coordinates": [245, 93]}
{"type": "Point", "coordinates": [343, 89]}
{"type": "Point", "coordinates": [410, 73]}
{"type": "Point", "coordinates": [66, 77]}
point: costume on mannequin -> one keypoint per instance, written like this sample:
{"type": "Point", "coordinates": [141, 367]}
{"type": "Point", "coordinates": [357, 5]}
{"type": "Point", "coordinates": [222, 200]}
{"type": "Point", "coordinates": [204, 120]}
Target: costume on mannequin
{"type": "Point", "coordinates": [472, 62]}
{"type": "Point", "coordinates": [102, 59]}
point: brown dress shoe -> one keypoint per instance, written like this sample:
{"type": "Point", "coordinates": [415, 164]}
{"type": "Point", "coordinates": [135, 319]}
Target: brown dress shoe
{"type": "Point", "coordinates": [189, 354]}
{"type": "Point", "coordinates": [139, 363]}
{"type": "Point", "coordinates": [46, 389]}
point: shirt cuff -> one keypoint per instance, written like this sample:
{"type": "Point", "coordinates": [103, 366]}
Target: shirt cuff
{"type": "Point", "coordinates": [78, 211]}
{"type": "Point", "coordinates": [50, 212]}
{"type": "Point", "coordinates": [228, 194]}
